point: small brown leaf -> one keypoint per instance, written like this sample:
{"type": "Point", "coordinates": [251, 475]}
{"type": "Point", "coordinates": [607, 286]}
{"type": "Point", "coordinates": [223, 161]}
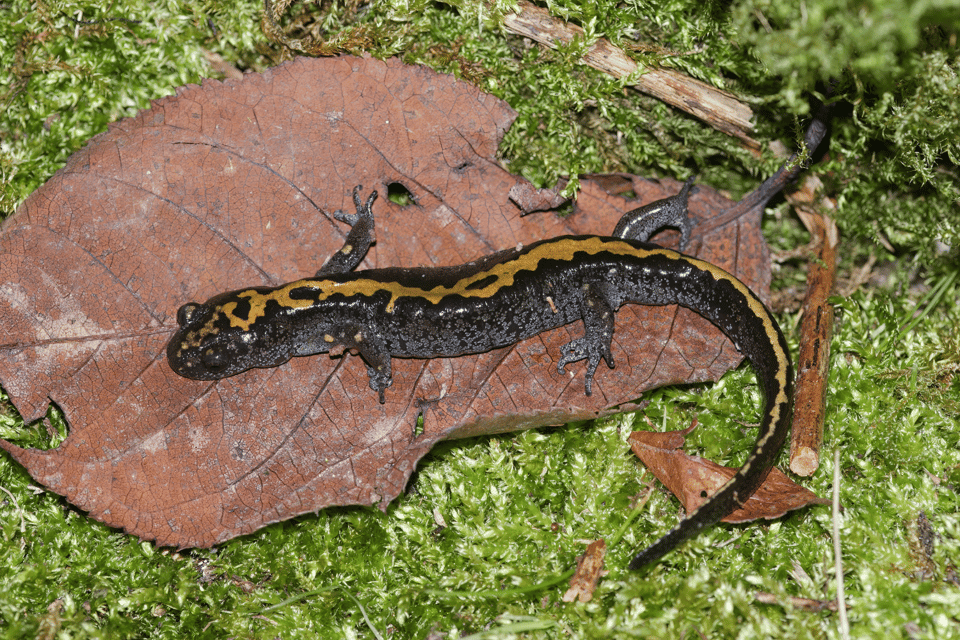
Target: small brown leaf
{"type": "Point", "coordinates": [693, 479]}
{"type": "Point", "coordinates": [589, 570]}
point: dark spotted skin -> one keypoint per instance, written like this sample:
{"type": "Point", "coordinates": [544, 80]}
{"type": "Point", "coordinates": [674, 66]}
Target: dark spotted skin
{"type": "Point", "coordinates": [494, 302]}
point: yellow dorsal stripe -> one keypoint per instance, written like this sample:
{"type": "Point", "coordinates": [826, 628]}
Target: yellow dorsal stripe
{"type": "Point", "coordinates": [502, 276]}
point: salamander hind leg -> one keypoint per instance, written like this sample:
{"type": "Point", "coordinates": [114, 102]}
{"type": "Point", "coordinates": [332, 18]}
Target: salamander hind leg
{"type": "Point", "coordinates": [641, 223]}
{"type": "Point", "coordinates": [362, 235]}
{"type": "Point", "coordinates": [598, 318]}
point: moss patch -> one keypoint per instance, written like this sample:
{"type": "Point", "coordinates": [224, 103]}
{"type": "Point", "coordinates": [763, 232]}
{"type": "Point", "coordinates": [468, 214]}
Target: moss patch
{"type": "Point", "coordinates": [477, 546]}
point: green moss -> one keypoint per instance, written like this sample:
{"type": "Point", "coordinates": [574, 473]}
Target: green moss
{"type": "Point", "coordinates": [70, 68]}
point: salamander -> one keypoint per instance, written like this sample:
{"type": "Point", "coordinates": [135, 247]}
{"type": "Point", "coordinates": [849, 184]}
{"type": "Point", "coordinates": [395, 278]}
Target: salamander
{"type": "Point", "coordinates": [493, 302]}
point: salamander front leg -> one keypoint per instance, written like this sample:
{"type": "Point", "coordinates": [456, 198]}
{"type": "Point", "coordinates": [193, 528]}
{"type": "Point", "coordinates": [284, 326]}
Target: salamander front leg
{"type": "Point", "coordinates": [598, 317]}
{"type": "Point", "coordinates": [374, 353]}
{"type": "Point", "coordinates": [362, 235]}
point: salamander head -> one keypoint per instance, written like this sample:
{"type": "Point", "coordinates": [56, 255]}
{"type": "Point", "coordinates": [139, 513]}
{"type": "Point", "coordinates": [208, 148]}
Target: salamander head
{"type": "Point", "coordinates": [222, 337]}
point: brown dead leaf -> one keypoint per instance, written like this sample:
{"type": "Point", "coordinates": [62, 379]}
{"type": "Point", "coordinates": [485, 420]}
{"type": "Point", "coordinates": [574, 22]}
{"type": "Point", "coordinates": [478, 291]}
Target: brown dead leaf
{"type": "Point", "coordinates": [589, 570]}
{"type": "Point", "coordinates": [693, 479]}
{"type": "Point", "coordinates": [232, 184]}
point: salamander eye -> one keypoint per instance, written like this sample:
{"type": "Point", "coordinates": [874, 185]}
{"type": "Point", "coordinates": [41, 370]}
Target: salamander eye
{"type": "Point", "coordinates": [214, 361]}
{"type": "Point", "coordinates": [186, 313]}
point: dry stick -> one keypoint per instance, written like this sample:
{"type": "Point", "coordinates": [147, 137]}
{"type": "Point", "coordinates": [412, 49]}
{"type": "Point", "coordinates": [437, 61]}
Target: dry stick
{"type": "Point", "coordinates": [837, 561]}
{"type": "Point", "coordinates": [804, 604]}
{"type": "Point", "coordinates": [717, 108]}
{"type": "Point", "coordinates": [816, 331]}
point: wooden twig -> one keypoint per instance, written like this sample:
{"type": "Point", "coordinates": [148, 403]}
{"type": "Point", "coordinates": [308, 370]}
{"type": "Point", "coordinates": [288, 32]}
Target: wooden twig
{"type": "Point", "coordinates": [816, 331]}
{"type": "Point", "coordinates": [837, 560]}
{"type": "Point", "coordinates": [717, 108]}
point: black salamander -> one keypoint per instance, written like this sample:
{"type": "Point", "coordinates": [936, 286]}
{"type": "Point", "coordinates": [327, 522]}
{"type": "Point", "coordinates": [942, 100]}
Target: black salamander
{"type": "Point", "coordinates": [494, 302]}
{"type": "Point", "coordinates": [497, 301]}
